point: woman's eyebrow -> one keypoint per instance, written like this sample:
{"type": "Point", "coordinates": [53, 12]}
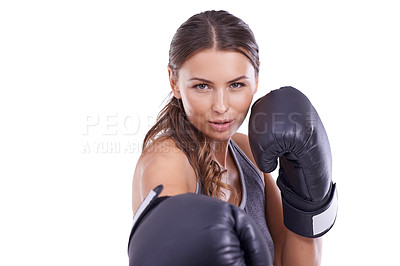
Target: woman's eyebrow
{"type": "Point", "coordinates": [202, 80]}
{"type": "Point", "coordinates": [238, 78]}
{"type": "Point", "coordinates": [210, 82]}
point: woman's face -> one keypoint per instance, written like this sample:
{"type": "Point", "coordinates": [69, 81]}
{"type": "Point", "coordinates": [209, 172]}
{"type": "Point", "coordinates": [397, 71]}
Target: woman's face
{"type": "Point", "coordinates": [216, 88]}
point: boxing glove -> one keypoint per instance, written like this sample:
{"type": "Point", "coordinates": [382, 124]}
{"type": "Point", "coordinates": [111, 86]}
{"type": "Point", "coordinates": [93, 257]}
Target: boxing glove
{"type": "Point", "coordinates": [193, 229]}
{"type": "Point", "coordinates": [284, 124]}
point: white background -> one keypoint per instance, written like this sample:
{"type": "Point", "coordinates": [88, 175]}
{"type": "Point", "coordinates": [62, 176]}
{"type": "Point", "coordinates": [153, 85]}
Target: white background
{"type": "Point", "coordinates": [82, 81]}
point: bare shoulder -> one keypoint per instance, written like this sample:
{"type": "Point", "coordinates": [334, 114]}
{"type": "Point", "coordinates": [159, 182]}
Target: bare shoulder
{"type": "Point", "coordinates": [162, 163]}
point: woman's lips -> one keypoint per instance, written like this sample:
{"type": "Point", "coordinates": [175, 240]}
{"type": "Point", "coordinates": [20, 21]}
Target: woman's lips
{"type": "Point", "coordinates": [221, 125]}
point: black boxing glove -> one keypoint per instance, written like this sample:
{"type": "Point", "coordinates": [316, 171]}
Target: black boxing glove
{"type": "Point", "coordinates": [193, 229]}
{"type": "Point", "coordinates": [284, 124]}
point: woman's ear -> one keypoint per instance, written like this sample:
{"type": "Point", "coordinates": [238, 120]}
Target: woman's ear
{"type": "Point", "coordinates": [174, 84]}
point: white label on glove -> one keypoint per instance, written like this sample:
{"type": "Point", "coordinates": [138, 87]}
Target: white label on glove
{"type": "Point", "coordinates": [324, 221]}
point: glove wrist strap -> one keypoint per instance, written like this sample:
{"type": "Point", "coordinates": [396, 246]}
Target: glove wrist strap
{"type": "Point", "coordinates": [311, 224]}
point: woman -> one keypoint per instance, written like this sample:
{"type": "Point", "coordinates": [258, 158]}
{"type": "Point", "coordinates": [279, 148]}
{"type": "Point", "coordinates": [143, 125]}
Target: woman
{"type": "Point", "coordinates": [194, 147]}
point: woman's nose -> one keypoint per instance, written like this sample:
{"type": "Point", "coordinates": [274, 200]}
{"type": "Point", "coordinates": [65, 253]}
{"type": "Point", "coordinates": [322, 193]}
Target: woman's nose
{"type": "Point", "coordinates": [220, 101]}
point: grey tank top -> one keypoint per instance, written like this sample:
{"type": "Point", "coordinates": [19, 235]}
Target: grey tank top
{"type": "Point", "coordinates": [253, 194]}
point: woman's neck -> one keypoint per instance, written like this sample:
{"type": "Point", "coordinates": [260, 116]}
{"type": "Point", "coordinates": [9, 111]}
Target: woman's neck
{"type": "Point", "coordinates": [220, 152]}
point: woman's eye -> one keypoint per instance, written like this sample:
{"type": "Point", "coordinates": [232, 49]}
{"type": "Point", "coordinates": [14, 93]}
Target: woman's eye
{"type": "Point", "coordinates": [201, 86]}
{"type": "Point", "coordinates": [237, 85]}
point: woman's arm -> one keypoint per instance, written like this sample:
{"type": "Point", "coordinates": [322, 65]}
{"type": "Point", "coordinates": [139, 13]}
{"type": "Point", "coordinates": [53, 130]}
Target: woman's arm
{"type": "Point", "coordinates": [298, 250]}
{"type": "Point", "coordinates": [290, 248]}
{"type": "Point", "coordinates": [162, 164]}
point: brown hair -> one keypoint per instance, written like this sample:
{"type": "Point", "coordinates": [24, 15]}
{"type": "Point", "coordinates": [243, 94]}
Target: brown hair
{"type": "Point", "coordinates": [207, 30]}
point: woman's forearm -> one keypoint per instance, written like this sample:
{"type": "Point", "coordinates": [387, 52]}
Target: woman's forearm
{"type": "Point", "coordinates": [298, 250]}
